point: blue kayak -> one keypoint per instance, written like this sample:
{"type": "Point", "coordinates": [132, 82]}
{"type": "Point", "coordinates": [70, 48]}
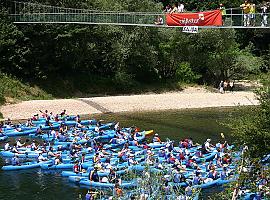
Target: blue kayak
{"type": "Point", "coordinates": [3, 138]}
{"type": "Point", "coordinates": [27, 165]}
{"type": "Point", "coordinates": [26, 154]}
{"type": "Point", "coordinates": [87, 182]}
{"type": "Point", "coordinates": [15, 133]}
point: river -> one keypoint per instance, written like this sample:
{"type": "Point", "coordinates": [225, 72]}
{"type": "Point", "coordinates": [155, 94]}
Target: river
{"type": "Point", "coordinates": [199, 124]}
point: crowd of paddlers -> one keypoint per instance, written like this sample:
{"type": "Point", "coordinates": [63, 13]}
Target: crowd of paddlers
{"type": "Point", "coordinates": [132, 163]}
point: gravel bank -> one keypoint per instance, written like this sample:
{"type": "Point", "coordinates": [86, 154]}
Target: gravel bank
{"type": "Point", "coordinates": [189, 98]}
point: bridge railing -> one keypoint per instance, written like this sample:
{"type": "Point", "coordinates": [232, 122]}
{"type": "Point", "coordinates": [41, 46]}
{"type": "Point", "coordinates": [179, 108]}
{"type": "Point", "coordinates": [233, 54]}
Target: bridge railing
{"type": "Point", "coordinates": [234, 20]}
{"type": "Point", "coordinates": [24, 12]}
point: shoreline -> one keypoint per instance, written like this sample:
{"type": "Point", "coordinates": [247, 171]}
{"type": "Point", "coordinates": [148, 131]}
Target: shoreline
{"type": "Point", "coordinates": [190, 98]}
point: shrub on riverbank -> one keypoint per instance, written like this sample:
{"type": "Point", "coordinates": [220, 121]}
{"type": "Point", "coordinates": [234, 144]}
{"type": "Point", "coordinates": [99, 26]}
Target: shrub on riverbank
{"type": "Point", "coordinates": [13, 88]}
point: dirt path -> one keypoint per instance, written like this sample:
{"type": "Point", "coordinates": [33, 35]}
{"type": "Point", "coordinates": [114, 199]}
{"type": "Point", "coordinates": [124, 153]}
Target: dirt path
{"type": "Point", "coordinates": [189, 98]}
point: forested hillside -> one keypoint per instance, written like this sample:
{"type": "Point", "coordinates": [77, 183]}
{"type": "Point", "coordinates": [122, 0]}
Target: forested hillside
{"type": "Point", "coordinates": [78, 60]}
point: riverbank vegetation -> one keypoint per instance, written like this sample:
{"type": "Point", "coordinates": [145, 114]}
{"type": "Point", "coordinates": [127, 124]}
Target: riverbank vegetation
{"type": "Point", "coordinates": [78, 60]}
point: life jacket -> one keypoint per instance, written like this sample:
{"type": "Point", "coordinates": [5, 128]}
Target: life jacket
{"type": "Point", "coordinates": [118, 191]}
{"type": "Point", "coordinates": [14, 161]}
{"type": "Point", "coordinates": [223, 175]}
{"type": "Point", "coordinates": [112, 176]}
{"type": "Point", "coordinates": [95, 176]}
{"type": "Point", "coordinates": [185, 144]}
{"type": "Point", "coordinates": [213, 175]}
{"type": "Point", "coordinates": [156, 139]}
{"type": "Point", "coordinates": [177, 178]}
{"type": "Point", "coordinates": [114, 141]}
{"type": "Point", "coordinates": [96, 159]}
{"type": "Point", "coordinates": [196, 180]}
{"type": "Point", "coordinates": [76, 168]}
{"type": "Point", "coordinates": [161, 154]}
{"type": "Point", "coordinates": [170, 148]}
{"type": "Point", "coordinates": [181, 156]}
{"type": "Point", "coordinates": [88, 196]}
{"type": "Point", "coordinates": [171, 160]}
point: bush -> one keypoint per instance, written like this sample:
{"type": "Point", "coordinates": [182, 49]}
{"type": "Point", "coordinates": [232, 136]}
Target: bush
{"type": "Point", "coordinates": [11, 87]}
{"type": "Point", "coordinates": [2, 101]}
{"type": "Point", "coordinates": [185, 74]}
{"type": "Point", "coordinates": [124, 80]}
{"type": "Point", "coordinates": [2, 98]}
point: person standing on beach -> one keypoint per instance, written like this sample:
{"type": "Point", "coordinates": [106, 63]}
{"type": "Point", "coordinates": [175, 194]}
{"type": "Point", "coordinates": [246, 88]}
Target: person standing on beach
{"type": "Point", "coordinates": [221, 87]}
{"type": "Point", "coordinates": [225, 86]}
{"type": "Point", "coordinates": [231, 84]}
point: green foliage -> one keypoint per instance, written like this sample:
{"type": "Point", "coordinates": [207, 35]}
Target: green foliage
{"type": "Point", "coordinates": [254, 129]}
{"type": "Point", "coordinates": [123, 80]}
{"type": "Point", "coordinates": [185, 74]}
{"type": "Point", "coordinates": [2, 99]}
{"type": "Point", "coordinates": [11, 87]}
{"type": "Point", "coordinates": [66, 60]}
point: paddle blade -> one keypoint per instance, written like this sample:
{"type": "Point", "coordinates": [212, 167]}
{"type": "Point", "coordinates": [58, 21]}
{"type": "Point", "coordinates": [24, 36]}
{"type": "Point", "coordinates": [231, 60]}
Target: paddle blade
{"type": "Point", "coordinates": [222, 135]}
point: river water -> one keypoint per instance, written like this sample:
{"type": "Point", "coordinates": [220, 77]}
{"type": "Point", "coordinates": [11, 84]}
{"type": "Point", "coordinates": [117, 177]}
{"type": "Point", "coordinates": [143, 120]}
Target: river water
{"type": "Point", "coordinates": [199, 124]}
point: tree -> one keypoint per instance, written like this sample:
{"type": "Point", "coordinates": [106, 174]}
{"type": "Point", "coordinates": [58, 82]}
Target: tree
{"type": "Point", "coordinates": [253, 129]}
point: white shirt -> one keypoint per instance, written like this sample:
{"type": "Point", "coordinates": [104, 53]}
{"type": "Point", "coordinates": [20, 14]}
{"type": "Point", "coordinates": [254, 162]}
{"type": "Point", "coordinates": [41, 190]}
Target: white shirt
{"type": "Point", "coordinates": [19, 144]}
{"type": "Point", "coordinates": [97, 129]}
{"type": "Point", "coordinates": [53, 132]}
{"type": "Point", "coordinates": [41, 158]}
{"type": "Point", "coordinates": [7, 146]}
{"type": "Point", "coordinates": [181, 8]}
{"type": "Point", "coordinates": [207, 145]}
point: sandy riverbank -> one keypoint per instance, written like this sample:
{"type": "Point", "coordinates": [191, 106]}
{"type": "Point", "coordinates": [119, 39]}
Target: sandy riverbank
{"type": "Point", "coordinates": [188, 98]}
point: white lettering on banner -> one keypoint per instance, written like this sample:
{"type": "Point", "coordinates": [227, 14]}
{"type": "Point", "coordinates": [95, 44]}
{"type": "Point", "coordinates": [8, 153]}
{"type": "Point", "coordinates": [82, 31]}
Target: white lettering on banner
{"type": "Point", "coordinates": [190, 29]}
{"type": "Point", "coordinates": [186, 21]}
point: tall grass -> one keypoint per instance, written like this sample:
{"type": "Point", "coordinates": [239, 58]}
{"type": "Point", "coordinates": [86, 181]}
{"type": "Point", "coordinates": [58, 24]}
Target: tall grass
{"type": "Point", "coordinates": [11, 87]}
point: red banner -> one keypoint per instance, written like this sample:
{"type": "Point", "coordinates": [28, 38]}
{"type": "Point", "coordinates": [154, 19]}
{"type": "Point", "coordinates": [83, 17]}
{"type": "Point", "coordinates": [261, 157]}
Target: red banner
{"type": "Point", "coordinates": [209, 18]}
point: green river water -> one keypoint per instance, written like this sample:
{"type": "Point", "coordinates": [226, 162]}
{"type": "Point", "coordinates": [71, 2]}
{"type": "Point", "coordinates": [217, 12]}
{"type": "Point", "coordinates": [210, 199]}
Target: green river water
{"type": "Point", "coordinates": [199, 124]}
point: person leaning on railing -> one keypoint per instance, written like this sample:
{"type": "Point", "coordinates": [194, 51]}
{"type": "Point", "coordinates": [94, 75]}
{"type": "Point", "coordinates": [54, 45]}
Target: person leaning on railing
{"type": "Point", "coordinates": [223, 13]}
{"type": "Point", "coordinates": [159, 21]}
{"type": "Point", "coordinates": [264, 14]}
{"type": "Point", "coordinates": [246, 9]}
{"type": "Point", "coordinates": [252, 14]}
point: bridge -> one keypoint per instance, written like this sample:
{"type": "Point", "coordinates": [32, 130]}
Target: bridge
{"type": "Point", "coordinates": [27, 13]}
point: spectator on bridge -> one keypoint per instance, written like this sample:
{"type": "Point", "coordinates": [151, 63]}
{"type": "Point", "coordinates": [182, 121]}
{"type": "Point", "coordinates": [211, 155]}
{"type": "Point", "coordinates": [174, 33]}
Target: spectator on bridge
{"type": "Point", "coordinates": [252, 14]}
{"type": "Point", "coordinates": [168, 9]}
{"type": "Point", "coordinates": [223, 13]}
{"type": "Point", "coordinates": [264, 14]}
{"type": "Point", "coordinates": [246, 10]}
{"type": "Point", "coordinates": [180, 7]}
{"type": "Point", "coordinates": [159, 20]}
{"type": "Point", "coordinates": [174, 10]}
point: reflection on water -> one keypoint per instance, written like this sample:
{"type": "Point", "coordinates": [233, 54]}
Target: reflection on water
{"type": "Point", "coordinates": [49, 185]}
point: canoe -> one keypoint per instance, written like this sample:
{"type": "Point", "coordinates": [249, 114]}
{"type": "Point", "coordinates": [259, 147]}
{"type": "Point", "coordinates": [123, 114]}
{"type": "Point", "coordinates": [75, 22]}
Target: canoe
{"type": "Point", "coordinates": [86, 174]}
{"type": "Point", "coordinates": [3, 138]}
{"type": "Point", "coordinates": [54, 167]}
{"type": "Point", "coordinates": [65, 166]}
{"type": "Point", "coordinates": [87, 182]}
{"type": "Point", "coordinates": [24, 154]}
{"type": "Point", "coordinates": [21, 133]}
{"type": "Point", "coordinates": [27, 165]}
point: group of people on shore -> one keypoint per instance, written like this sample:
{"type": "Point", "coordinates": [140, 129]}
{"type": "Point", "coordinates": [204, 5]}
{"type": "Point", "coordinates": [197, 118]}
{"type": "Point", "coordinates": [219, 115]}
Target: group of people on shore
{"type": "Point", "coordinates": [226, 86]}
